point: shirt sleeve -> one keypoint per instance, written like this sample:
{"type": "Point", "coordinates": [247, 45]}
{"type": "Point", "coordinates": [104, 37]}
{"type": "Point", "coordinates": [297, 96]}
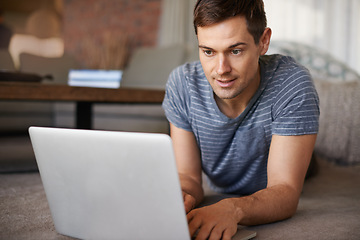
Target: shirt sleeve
{"type": "Point", "coordinates": [296, 111]}
{"type": "Point", "coordinates": [176, 101]}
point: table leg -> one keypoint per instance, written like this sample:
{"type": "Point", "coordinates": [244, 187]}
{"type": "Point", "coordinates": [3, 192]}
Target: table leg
{"type": "Point", "coordinates": [84, 115]}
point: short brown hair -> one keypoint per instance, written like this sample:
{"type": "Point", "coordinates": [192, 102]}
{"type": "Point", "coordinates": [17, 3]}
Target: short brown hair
{"type": "Point", "coordinates": [208, 12]}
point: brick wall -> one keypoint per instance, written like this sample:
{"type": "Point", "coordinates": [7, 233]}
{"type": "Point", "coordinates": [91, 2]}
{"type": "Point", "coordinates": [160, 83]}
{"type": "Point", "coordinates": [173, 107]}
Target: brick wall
{"type": "Point", "coordinates": [91, 26]}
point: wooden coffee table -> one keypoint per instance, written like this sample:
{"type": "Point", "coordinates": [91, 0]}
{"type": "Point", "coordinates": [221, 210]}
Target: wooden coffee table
{"type": "Point", "coordinates": [84, 97]}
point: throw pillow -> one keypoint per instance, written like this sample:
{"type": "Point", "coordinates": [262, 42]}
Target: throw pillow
{"type": "Point", "coordinates": [320, 63]}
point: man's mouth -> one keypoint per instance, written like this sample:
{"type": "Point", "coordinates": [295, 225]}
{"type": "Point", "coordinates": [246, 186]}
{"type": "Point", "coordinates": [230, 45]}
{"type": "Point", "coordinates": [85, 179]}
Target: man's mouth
{"type": "Point", "coordinates": [225, 83]}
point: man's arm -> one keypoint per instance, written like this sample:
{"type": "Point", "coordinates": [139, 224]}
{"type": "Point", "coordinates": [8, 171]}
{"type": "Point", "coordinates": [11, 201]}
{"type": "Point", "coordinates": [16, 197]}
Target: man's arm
{"type": "Point", "coordinates": [188, 164]}
{"type": "Point", "coordinates": [288, 161]}
{"type": "Point", "coordinates": [289, 158]}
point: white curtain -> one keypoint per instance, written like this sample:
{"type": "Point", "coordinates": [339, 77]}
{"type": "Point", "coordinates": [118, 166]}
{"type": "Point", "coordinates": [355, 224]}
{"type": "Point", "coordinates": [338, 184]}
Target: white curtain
{"type": "Point", "coordinates": [331, 25]}
{"type": "Point", "coordinates": [176, 23]}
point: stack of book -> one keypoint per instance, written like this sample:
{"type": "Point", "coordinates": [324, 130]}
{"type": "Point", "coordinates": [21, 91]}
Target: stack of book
{"type": "Point", "coordinates": [95, 78]}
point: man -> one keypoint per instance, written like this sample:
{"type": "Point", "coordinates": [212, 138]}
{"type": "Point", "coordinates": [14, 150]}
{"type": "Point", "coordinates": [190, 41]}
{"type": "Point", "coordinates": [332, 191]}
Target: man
{"type": "Point", "coordinates": [248, 121]}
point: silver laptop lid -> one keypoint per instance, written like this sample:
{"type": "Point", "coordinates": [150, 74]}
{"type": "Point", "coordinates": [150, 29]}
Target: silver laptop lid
{"type": "Point", "coordinates": [110, 185]}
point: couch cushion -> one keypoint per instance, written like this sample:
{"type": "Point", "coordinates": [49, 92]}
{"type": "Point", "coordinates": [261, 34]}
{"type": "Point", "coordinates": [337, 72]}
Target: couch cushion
{"type": "Point", "coordinates": [6, 61]}
{"type": "Point", "coordinates": [320, 63]}
{"type": "Point", "coordinates": [339, 134]}
{"type": "Point", "coordinates": [57, 67]}
{"type": "Point", "coordinates": [151, 67]}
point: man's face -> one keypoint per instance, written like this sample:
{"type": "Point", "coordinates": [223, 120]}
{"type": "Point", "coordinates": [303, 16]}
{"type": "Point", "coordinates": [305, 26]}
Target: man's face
{"type": "Point", "coordinates": [230, 58]}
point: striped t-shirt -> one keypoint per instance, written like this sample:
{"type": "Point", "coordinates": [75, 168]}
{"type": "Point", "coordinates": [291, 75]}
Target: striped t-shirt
{"type": "Point", "coordinates": [234, 152]}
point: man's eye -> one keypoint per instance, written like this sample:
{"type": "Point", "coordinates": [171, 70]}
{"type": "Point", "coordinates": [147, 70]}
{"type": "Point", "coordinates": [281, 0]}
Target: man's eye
{"type": "Point", "coordinates": [208, 52]}
{"type": "Point", "coordinates": [236, 51]}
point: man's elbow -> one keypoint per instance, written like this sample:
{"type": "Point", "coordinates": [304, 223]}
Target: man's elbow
{"type": "Point", "coordinates": [292, 201]}
{"type": "Point", "coordinates": [288, 203]}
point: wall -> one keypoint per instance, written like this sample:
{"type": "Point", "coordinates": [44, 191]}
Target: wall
{"type": "Point", "coordinates": [89, 25]}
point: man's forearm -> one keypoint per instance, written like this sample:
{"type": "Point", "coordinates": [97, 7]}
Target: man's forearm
{"type": "Point", "coordinates": [268, 205]}
{"type": "Point", "coordinates": [192, 187]}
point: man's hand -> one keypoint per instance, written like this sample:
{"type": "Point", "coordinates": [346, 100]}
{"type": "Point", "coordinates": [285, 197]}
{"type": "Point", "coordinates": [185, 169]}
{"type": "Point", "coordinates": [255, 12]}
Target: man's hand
{"type": "Point", "coordinates": [189, 202]}
{"type": "Point", "coordinates": [217, 221]}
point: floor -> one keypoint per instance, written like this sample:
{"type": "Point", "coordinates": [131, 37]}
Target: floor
{"type": "Point", "coordinates": [16, 154]}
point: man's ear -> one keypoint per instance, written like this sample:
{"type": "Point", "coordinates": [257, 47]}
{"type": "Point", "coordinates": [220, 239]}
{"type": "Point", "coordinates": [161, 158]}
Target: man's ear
{"type": "Point", "coordinates": [264, 42]}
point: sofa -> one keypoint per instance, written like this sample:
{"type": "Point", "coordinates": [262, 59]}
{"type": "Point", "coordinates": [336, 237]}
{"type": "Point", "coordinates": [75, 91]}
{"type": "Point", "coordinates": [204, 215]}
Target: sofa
{"type": "Point", "coordinates": [329, 206]}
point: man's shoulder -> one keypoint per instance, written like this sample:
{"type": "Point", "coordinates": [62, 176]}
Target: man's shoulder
{"type": "Point", "coordinates": [187, 74]}
{"type": "Point", "coordinates": [283, 70]}
{"type": "Point", "coordinates": [278, 62]}
{"type": "Point", "coordinates": [190, 69]}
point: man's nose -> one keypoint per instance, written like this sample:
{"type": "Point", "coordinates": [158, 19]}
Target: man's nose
{"type": "Point", "coordinates": [223, 65]}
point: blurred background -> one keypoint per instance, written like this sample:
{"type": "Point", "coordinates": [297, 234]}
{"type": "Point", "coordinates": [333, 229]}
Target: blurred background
{"type": "Point", "coordinates": [91, 30]}
{"type": "Point", "coordinates": [147, 39]}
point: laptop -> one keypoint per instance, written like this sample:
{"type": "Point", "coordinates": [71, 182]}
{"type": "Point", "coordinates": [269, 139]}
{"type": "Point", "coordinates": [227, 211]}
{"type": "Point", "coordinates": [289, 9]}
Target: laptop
{"type": "Point", "coordinates": [111, 184]}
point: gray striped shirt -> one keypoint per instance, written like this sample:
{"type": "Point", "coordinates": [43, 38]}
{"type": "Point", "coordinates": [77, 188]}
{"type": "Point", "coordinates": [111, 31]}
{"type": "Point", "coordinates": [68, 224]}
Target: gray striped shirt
{"type": "Point", "coordinates": [234, 152]}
